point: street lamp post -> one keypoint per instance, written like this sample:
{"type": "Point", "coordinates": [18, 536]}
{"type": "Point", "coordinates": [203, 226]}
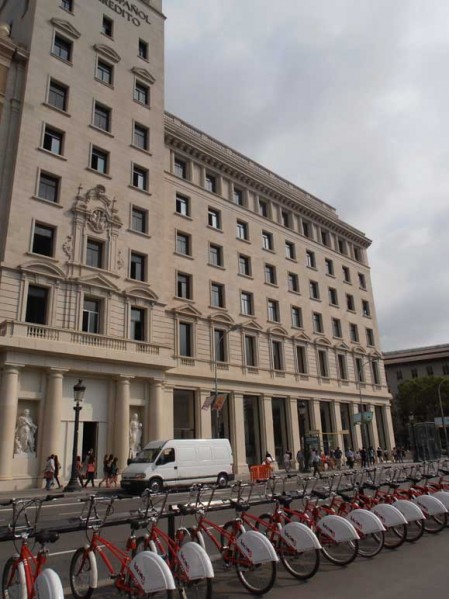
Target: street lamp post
{"type": "Point", "coordinates": [442, 414]}
{"type": "Point", "coordinates": [411, 419]}
{"type": "Point", "coordinates": [221, 336]}
{"type": "Point", "coordinates": [78, 395]}
{"type": "Point", "coordinates": [302, 408]}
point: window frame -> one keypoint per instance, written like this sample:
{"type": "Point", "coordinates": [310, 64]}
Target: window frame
{"type": "Point", "coordinates": [53, 87]}
{"type": "Point", "coordinates": [106, 116]}
{"type": "Point", "coordinates": [95, 248]}
{"type": "Point", "coordinates": [277, 355]}
{"type": "Point", "coordinates": [267, 241]}
{"type": "Point", "coordinates": [53, 133]}
{"type": "Point", "coordinates": [296, 316]}
{"type": "Point", "coordinates": [290, 250]}
{"type": "Point", "coordinates": [246, 261]}
{"type": "Point", "coordinates": [139, 215]}
{"type": "Point", "coordinates": [214, 218]}
{"type": "Point", "coordinates": [141, 90]}
{"type": "Point", "coordinates": [186, 339]}
{"type": "Point", "coordinates": [242, 227]}
{"type": "Point", "coordinates": [143, 45]}
{"type": "Point", "coordinates": [36, 236]}
{"type": "Point", "coordinates": [183, 243]}
{"type": "Point", "coordinates": [140, 174]}
{"type": "Point", "coordinates": [247, 301]}
{"type": "Point", "coordinates": [141, 133]}
{"type": "Point", "coordinates": [137, 266]}
{"type": "Point", "coordinates": [217, 290]}
{"type": "Point", "coordinates": [40, 186]}
{"type": "Point", "coordinates": [99, 156]}
{"type": "Point", "coordinates": [107, 27]}
{"type": "Point", "coordinates": [273, 310]}
{"type": "Point", "coordinates": [317, 323]}
{"type": "Point", "coordinates": [184, 285]}
{"type": "Point", "coordinates": [104, 72]}
{"type": "Point", "coordinates": [142, 322]}
{"type": "Point", "coordinates": [215, 255]}
{"type": "Point", "coordinates": [181, 201]}
{"type": "Point", "coordinates": [60, 44]}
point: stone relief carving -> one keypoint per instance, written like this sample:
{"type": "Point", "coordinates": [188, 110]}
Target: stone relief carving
{"type": "Point", "coordinates": [67, 246]}
{"type": "Point", "coordinates": [98, 220]}
{"type": "Point", "coordinates": [25, 434]}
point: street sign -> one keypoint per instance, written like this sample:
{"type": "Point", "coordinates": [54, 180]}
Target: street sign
{"type": "Point", "coordinates": [439, 421]}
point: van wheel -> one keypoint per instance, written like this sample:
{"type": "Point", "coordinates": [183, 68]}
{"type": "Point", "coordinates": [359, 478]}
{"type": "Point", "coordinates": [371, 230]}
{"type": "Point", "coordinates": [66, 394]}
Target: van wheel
{"type": "Point", "coordinates": [155, 485]}
{"type": "Point", "coordinates": [222, 480]}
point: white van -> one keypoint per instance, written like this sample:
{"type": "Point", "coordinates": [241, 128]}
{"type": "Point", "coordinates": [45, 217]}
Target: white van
{"type": "Point", "coordinates": [179, 463]}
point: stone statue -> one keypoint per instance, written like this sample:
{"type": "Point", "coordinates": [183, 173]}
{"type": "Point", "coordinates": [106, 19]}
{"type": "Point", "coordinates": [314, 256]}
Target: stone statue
{"type": "Point", "coordinates": [135, 435]}
{"type": "Point", "coordinates": [25, 435]}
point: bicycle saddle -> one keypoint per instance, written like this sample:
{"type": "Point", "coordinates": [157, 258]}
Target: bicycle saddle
{"type": "Point", "coordinates": [284, 500]}
{"type": "Point", "coordinates": [136, 524]}
{"type": "Point", "coordinates": [47, 536]}
{"type": "Point", "coordinates": [320, 494]}
{"type": "Point", "coordinates": [239, 506]}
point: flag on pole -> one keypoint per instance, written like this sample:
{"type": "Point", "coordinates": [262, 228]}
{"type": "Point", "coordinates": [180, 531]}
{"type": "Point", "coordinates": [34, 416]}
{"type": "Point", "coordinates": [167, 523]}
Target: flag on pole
{"type": "Point", "coordinates": [219, 401]}
{"type": "Point", "coordinates": [208, 401]}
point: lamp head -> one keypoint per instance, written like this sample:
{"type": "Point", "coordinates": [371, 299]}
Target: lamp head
{"type": "Point", "coordinates": [78, 391]}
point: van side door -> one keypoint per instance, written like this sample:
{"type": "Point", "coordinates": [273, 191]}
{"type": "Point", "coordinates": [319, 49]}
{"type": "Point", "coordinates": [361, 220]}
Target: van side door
{"type": "Point", "coordinates": [167, 467]}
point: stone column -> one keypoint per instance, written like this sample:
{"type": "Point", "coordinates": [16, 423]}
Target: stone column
{"type": "Point", "coordinates": [293, 433]}
{"type": "Point", "coordinates": [238, 428]}
{"type": "Point", "coordinates": [374, 435]}
{"type": "Point", "coordinates": [389, 433]}
{"type": "Point", "coordinates": [8, 410]}
{"type": "Point", "coordinates": [356, 428]}
{"type": "Point", "coordinates": [336, 417]}
{"type": "Point", "coordinates": [267, 442]}
{"type": "Point", "coordinates": [158, 429]}
{"type": "Point", "coordinates": [50, 441]}
{"type": "Point", "coordinates": [121, 449]}
{"type": "Point", "coordinates": [315, 417]}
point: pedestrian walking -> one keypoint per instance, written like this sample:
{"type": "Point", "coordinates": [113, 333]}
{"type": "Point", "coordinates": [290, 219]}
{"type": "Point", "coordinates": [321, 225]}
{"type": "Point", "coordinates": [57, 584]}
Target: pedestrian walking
{"type": "Point", "coordinates": [380, 454]}
{"type": "Point", "coordinates": [337, 455]}
{"type": "Point", "coordinates": [350, 458]}
{"type": "Point", "coordinates": [49, 472]}
{"type": "Point", "coordinates": [301, 461]}
{"type": "Point", "coordinates": [79, 470]}
{"type": "Point", "coordinates": [107, 461]}
{"type": "Point", "coordinates": [91, 466]}
{"type": "Point", "coordinates": [113, 472]}
{"type": "Point", "coordinates": [287, 461]}
{"type": "Point", "coordinates": [371, 456]}
{"type": "Point", "coordinates": [316, 463]}
{"type": "Point", "coordinates": [364, 458]}
{"type": "Point", "coordinates": [57, 470]}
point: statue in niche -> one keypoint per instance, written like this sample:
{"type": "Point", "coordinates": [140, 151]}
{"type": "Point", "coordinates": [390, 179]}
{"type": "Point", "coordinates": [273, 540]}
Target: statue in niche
{"type": "Point", "coordinates": [135, 435]}
{"type": "Point", "coordinates": [25, 435]}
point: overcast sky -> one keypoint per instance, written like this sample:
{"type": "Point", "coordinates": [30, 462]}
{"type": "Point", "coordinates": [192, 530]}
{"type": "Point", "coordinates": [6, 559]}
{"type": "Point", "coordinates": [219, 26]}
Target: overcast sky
{"type": "Point", "coordinates": [349, 99]}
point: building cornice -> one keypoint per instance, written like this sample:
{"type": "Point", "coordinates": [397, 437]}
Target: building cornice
{"type": "Point", "coordinates": [193, 142]}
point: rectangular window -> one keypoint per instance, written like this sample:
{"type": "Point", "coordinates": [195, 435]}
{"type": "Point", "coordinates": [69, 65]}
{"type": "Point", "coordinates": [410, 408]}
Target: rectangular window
{"type": "Point", "coordinates": [99, 160]}
{"type": "Point", "coordinates": [399, 376]}
{"type": "Point", "coordinates": [353, 332]}
{"type": "Point", "coordinates": [94, 253]}
{"type": "Point", "coordinates": [143, 49]}
{"type": "Point", "coordinates": [217, 295]}
{"type": "Point", "coordinates": [62, 48]}
{"type": "Point", "coordinates": [362, 280]}
{"type": "Point", "coordinates": [242, 230]}
{"type": "Point", "coordinates": [184, 285]}
{"type": "Point", "coordinates": [310, 259]}
{"type": "Point", "coordinates": [140, 177]}
{"type": "Point", "coordinates": [244, 265]}
{"type": "Point", "coordinates": [267, 241]}
{"type": "Point", "coordinates": [414, 373]}
{"type": "Point", "coordinates": [296, 317]}
{"type": "Point", "coordinates": [137, 324]}
{"type": "Point", "coordinates": [37, 305]}
{"type": "Point", "coordinates": [214, 218]}
{"type": "Point", "coordinates": [220, 345]}
{"type": "Point", "coordinates": [366, 308]}
{"type": "Point", "coordinates": [102, 117]}
{"type": "Point", "coordinates": [293, 282]}
{"type": "Point", "coordinates": [250, 351]}
{"type": "Point", "coordinates": [276, 349]}
{"type": "Point", "coordinates": [107, 26]}
{"type": "Point", "coordinates": [375, 372]}
{"type": "Point", "coordinates": [141, 136]}
{"type": "Point", "coordinates": [182, 205]}
{"type": "Point", "coordinates": [357, 253]}
{"type": "Point", "coordinates": [185, 339]}
{"type": "Point", "coordinates": [246, 303]}
{"type": "Point", "coordinates": [137, 267]}
{"type": "Point", "coordinates": [139, 220]}
{"type": "Point", "coordinates": [346, 274]}
{"type": "Point", "coordinates": [370, 337]}
{"type": "Point", "coordinates": [336, 328]}
{"type": "Point", "coordinates": [91, 316]}
{"type": "Point", "coordinates": [329, 266]}
{"type": "Point", "coordinates": [104, 72]}
{"type": "Point", "coordinates": [210, 183]}
{"type": "Point", "coordinates": [290, 250]}
{"type": "Point", "coordinates": [325, 239]}
{"type": "Point", "coordinates": [53, 140]}
{"type": "Point", "coordinates": [322, 363]}
{"type": "Point", "coordinates": [306, 229]}
{"type": "Point", "coordinates": [237, 196]}
{"type": "Point", "coordinates": [43, 240]}
{"type": "Point", "coordinates": [273, 311]}
{"type": "Point", "coordinates": [359, 370]}
{"type": "Point", "coordinates": [58, 95]}
{"type": "Point", "coordinates": [350, 302]}
{"type": "Point", "coordinates": [66, 5]}
{"type": "Point", "coordinates": [180, 168]}
{"type": "Point", "coordinates": [48, 187]}
{"type": "Point", "coordinates": [333, 296]}
{"type": "Point", "coordinates": [286, 218]}
{"type": "Point", "coordinates": [141, 93]}
{"type": "Point", "coordinates": [317, 321]}
{"type": "Point", "coordinates": [270, 274]}
{"type": "Point", "coordinates": [183, 244]}
{"type": "Point", "coordinates": [215, 255]}
{"type": "Point", "coordinates": [342, 369]}
{"type": "Point", "coordinates": [429, 370]}
{"type": "Point", "coordinates": [301, 359]}
{"type": "Point", "coordinates": [263, 208]}
{"type": "Point", "coordinates": [314, 290]}
{"type": "Point", "coordinates": [342, 248]}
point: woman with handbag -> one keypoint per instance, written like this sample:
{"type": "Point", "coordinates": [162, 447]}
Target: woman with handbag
{"type": "Point", "coordinates": [49, 472]}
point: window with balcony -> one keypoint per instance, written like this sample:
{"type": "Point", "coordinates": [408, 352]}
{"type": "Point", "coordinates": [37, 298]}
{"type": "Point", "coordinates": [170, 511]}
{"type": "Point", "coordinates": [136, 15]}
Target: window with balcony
{"type": "Point", "coordinates": [137, 324]}
{"type": "Point", "coordinates": [342, 367]}
{"type": "Point", "coordinates": [185, 339]}
{"type": "Point", "coordinates": [37, 304]}
{"type": "Point", "coordinates": [323, 367]}
{"type": "Point", "coordinates": [220, 349]}
{"type": "Point", "coordinates": [91, 316]}
{"type": "Point", "coordinates": [250, 351]}
{"type": "Point", "coordinates": [301, 359]}
{"type": "Point", "coordinates": [277, 355]}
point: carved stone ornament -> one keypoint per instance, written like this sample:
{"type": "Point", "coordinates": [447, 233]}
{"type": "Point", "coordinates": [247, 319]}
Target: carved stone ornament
{"type": "Point", "coordinates": [98, 211]}
{"type": "Point", "coordinates": [67, 246]}
{"type": "Point", "coordinates": [98, 220]}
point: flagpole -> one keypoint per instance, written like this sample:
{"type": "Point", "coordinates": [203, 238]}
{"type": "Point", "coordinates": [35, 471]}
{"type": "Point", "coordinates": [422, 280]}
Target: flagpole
{"type": "Point", "coordinates": [217, 343]}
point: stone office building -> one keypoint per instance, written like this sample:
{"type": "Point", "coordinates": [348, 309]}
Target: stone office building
{"type": "Point", "coordinates": [159, 266]}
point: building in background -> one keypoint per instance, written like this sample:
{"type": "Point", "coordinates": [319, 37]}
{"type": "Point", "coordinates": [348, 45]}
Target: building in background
{"type": "Point", "coordinates": [163, 268]}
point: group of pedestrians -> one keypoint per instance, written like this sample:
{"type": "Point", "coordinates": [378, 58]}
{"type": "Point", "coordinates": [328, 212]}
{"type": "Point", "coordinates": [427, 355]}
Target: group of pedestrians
{"type": "Point", "coordinates": [51, 472]}
{"type": "Point", "coordinates": [110, 471]}
{"type": "Point", "coordinates": [86, 470]}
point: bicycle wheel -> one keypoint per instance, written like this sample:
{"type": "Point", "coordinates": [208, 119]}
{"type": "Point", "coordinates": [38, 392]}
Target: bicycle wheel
{"type": "Point", "coordinates": [301, 565]}
{"type": "Point", "coordinates": [13, 581]}
{"type": "Point", "coordinates": [231, 527]}
{"type": "Point", "coordinates": [256, 578]}
{"type": "Point", "coordinates": [80, 574]}
{"type": "Point", "coordinates": [395, 536]}
{"type": "Point", "coordinates": [436, 523]}
{"type": "Point", "coordinates": [261, 526]}
{"type": "Point", "coordinates": [371, 544]}
{"type": "Point", "coordinates": [195, 589]}
{"type": "Point", "coordinates": [415, 531]}
{"type": "Point", "coordinates": [340, 554]}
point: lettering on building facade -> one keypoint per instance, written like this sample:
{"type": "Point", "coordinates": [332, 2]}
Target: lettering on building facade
{"type": "Point", "coordinates": [128, 11]}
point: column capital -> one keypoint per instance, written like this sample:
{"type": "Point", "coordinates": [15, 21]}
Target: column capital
{"type": "Point", "coordinates": [12, 367]}
{"type": "Point", "coordinates": [53, 371]}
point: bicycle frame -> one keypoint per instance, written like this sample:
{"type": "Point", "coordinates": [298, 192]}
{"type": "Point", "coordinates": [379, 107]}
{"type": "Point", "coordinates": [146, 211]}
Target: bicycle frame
{"type": "Point", "coordinates": [32, 566]}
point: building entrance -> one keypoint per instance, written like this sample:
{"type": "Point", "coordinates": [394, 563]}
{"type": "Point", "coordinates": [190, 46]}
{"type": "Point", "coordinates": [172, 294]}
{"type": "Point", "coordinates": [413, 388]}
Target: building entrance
{"type": "Point", "coordinates": [90, 439]}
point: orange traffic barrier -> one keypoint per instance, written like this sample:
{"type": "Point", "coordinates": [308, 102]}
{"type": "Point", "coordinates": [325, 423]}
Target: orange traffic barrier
{"type": "Point", "coordinates": [260, 472]}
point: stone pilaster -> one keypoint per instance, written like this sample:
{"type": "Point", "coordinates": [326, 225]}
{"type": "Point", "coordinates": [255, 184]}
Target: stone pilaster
{"type": "Point", "coordinates": [8, 410]}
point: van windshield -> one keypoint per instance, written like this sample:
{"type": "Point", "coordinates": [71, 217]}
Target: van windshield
{"type": "Point", "coordinates": [147, 456]}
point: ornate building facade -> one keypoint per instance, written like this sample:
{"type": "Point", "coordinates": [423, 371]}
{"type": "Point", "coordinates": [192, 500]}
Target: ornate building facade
{"type": "Point", "coordinates": [160, 266]}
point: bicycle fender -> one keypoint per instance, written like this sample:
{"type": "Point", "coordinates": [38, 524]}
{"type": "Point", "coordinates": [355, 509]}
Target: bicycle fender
{"type": "Point", "coordinates": [389, 515]}
{"type": "Point", "coordinates": [93, 568]}
{"type": "Point", "coordinates": [365, 521]}
{"type": "Point", "coordinates": [22, 579]}
{"type": "Point", "coordinates": [443, 496]}
{"type": "Point", "coordinates": [151, 572]}
{"type": "Point", "coordinates": [256, 547]}
{"type": "Point", "coordinates": [48, 585]}
{"type": "Point", "coordinates": [338, 528]}
{"type": "Point", "coordinates": [410, 510]}
{"type": "Point", "coordinates": [195, 562]}
{"type": "Point", "coordinates": [430, 505]}
{"type": "Point", "coordinates": [300, 537]}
